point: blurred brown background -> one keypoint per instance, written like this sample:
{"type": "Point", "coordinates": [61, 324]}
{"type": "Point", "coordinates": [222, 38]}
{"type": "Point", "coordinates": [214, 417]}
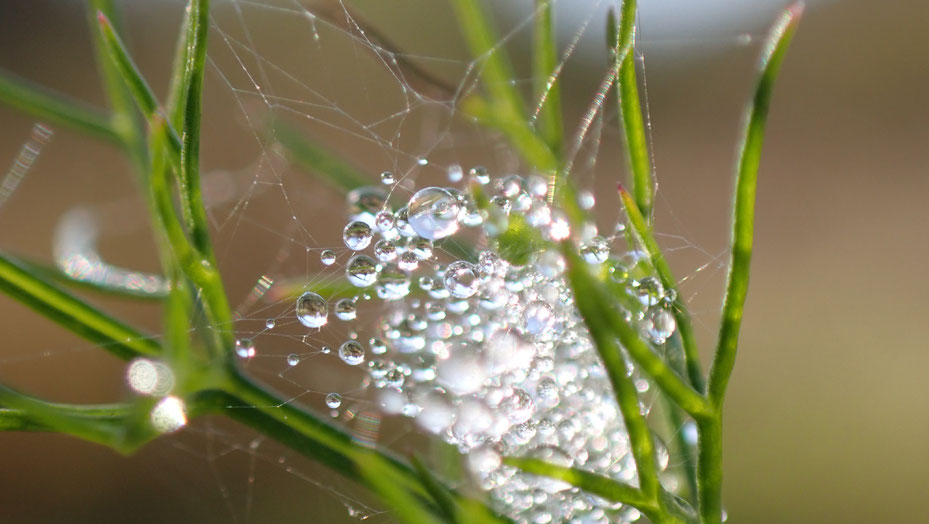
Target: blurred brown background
{"type": "Point", "coordinates": [827, 419]}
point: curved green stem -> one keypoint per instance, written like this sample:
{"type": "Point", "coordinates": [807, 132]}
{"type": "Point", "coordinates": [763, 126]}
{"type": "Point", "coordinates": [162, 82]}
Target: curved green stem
{"type": "Point", "coordinates": [643, 233]}
{"type": "Point", "coordinates": [72, 313]}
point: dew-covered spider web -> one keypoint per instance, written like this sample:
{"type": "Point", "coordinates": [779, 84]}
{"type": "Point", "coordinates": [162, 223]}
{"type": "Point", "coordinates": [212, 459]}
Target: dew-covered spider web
{"type": "Point", "coordinates": [339, 175]}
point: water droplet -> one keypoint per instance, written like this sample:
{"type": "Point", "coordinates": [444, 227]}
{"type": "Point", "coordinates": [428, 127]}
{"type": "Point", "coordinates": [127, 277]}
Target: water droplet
{"type": "Point", "coordinates": [392, 283]}
{"type": "Point", "coordinates": [409, 261]}
{"type": "Point", "coordinates": [312, 310]}
{"type": "Point", "coordinates": [333, 400]}
{"type": "Point", "coordinates": [270, 323]}
{"type": "Point", "coordinates": [455, 173]}
{"type": "Point", "coordinates": [327, 257]}
{"type": "Point", "coordinates": [345, 309]}
{"type": "Point", "coordinates": [361, 271]}
{"type": "Point", "coordinates": [351, 353]}
{"type": "Point", "coordinates": [461, 279]}
{"type": "Point", "coordinates": [245, 348]}
{"type": "Point", "coordinates": [649, 290]}
{"type": "Point", "coordinates": [539, 318]}
{"type": "Point", "coordinates": [659, 324]}
{"type": "Point", "coordinates": [293, 359]}
{"type": "Point", "coordinates": [365, 202]}
{"type": "Point", "coordinates": [357, 235]}
{"type": "Point", "coordinates": [385, 250]}
{"type": "Point", "coordinates": [586, 200]}
{"type": "Point", "coordinates": [388, 178]}
{"type": "Point", "coordinates": [479, 175]}
{"type": "Point", "coordinates": [433, 213]}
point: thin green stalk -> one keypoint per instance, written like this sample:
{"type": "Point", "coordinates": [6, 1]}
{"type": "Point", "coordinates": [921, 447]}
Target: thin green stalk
{"type": "Point", "coordinates": [56, 108]}
{"type": "Point", "coordinates": [710, 470]}
{"type": "Point", "coordinates": [546, 88]}
{"type": "Point", "coordinates": [497, 73]}
{"type": "Point", "coordinates": [682, 317]}
{"type": "Point", "coordinates": [533, 149]}
{"type": "Point", "coordinates": [640, 436]}
{"type": "Point", "coordinates": [593, 483]}
{"type": "Point", "coordinates": [125, 119]}
{"type": "Point", "coordinates": [72, 313]}
{"type": "Point", "coordinates": [19, 420]}
{"type": "Point", "coordinates": [141, 92]}
{"type": "Point", "coordinates": [594, 297]}
{"type": "Point", "coordinates": [204, 276]}
{"type": "Point", "coordinates": [710, 431]}
{"type": "Point", "coordinates": [630, 108]}
{"type": "Point", "coordinates": [306, 433]}
{"type": "Point", "coordinates": [106, 425]}
{"type": "Point", "coordinates": [743, 215]}
{"type": "Point", "coordinates": [199, 20]}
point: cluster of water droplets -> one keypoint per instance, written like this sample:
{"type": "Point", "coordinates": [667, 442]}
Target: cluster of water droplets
{"type": "Point", "coordinates": [490, 356]}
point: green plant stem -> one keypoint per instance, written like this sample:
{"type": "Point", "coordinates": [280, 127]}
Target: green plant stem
{"type": "Point", "coordinates": [627, 92]}
{"type": "Point", "coordinates": [546, 88]}
{"type": "Point", "coordinates": [306, 433]}
{"type": "Point", "coordinates": [710, 430]}
{"type": "Point", "coordinates": [203, 275]}
{"type": "Point", "coordinates": [19, 420]}
{"type": "Point", "coordinates": [593, 483]}
{"type": "Point", "coordinates": [640, 436]}
{"type": "Point", "coordinates": [532, 148]}
{"type": "Point", "coordinates": [106, 425]}
{"type": "Point", "coordinates": [743, 214]}
{"type": "Point", "coordinates": [56, 108]}
{"type": "Point", "coordinates": [667, 379]}
{"type": "Point", "coordinates": [72, 313]}
{"type": "Point", "coordinates": [685, 328]}
{"type": "Point", "coordinates": [497, 74]}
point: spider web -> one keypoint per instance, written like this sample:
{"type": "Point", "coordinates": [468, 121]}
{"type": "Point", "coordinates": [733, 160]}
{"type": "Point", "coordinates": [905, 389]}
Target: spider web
{"type": "Point", "coordinates": [383, 91]}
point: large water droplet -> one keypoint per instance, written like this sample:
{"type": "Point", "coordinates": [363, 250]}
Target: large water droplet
{"type": "Point", "coordinates": [461, 279]}
{"type": "Point", "coordinates": [293, 359]}
{"type": "Point", "coordinates": [659, 323]}
{"type": "Point", "coordinates": [352, 353]}
{"type": "Point", "coordinates": [345, 309]}
{"type": "Point", "coordinates": [333, 400]}
{"type": "Point", "coordinates": [392, 283]}
{"type": "Point", "coordinates": [539, 318]}
{"type": "Point", "coordinates": [327, 257]}
{"type": "Point", "coordinates": [357, 235]}
{"type": "Point", "coordinates": [433, 213]}
{"type": "Point", "coordinates": [361, 271]}
{"type": "Point", "coordinates": [312, 310]}
{"type": "Point", "coordinates": [388, 178]}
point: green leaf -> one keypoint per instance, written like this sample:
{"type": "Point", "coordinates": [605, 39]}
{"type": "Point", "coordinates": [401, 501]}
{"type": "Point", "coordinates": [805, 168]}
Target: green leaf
{"type": "Point", "coordinates": [643, 233]}
{"type": "Point", "coordinates": [743, 215]}
{"type": "Point", "coordinates": [56, 108]}
{"type": "Point", "coordinates": [627, 92]}
{"type": "Point", "coordinates": [546, 88]}
{"type": "Point", "coordinates": [72, 313]}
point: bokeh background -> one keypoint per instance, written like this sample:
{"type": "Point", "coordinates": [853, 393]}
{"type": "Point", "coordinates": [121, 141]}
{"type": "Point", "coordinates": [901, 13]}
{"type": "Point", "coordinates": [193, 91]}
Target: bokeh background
{"type": "Point", "coordinates": [827, 419]}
